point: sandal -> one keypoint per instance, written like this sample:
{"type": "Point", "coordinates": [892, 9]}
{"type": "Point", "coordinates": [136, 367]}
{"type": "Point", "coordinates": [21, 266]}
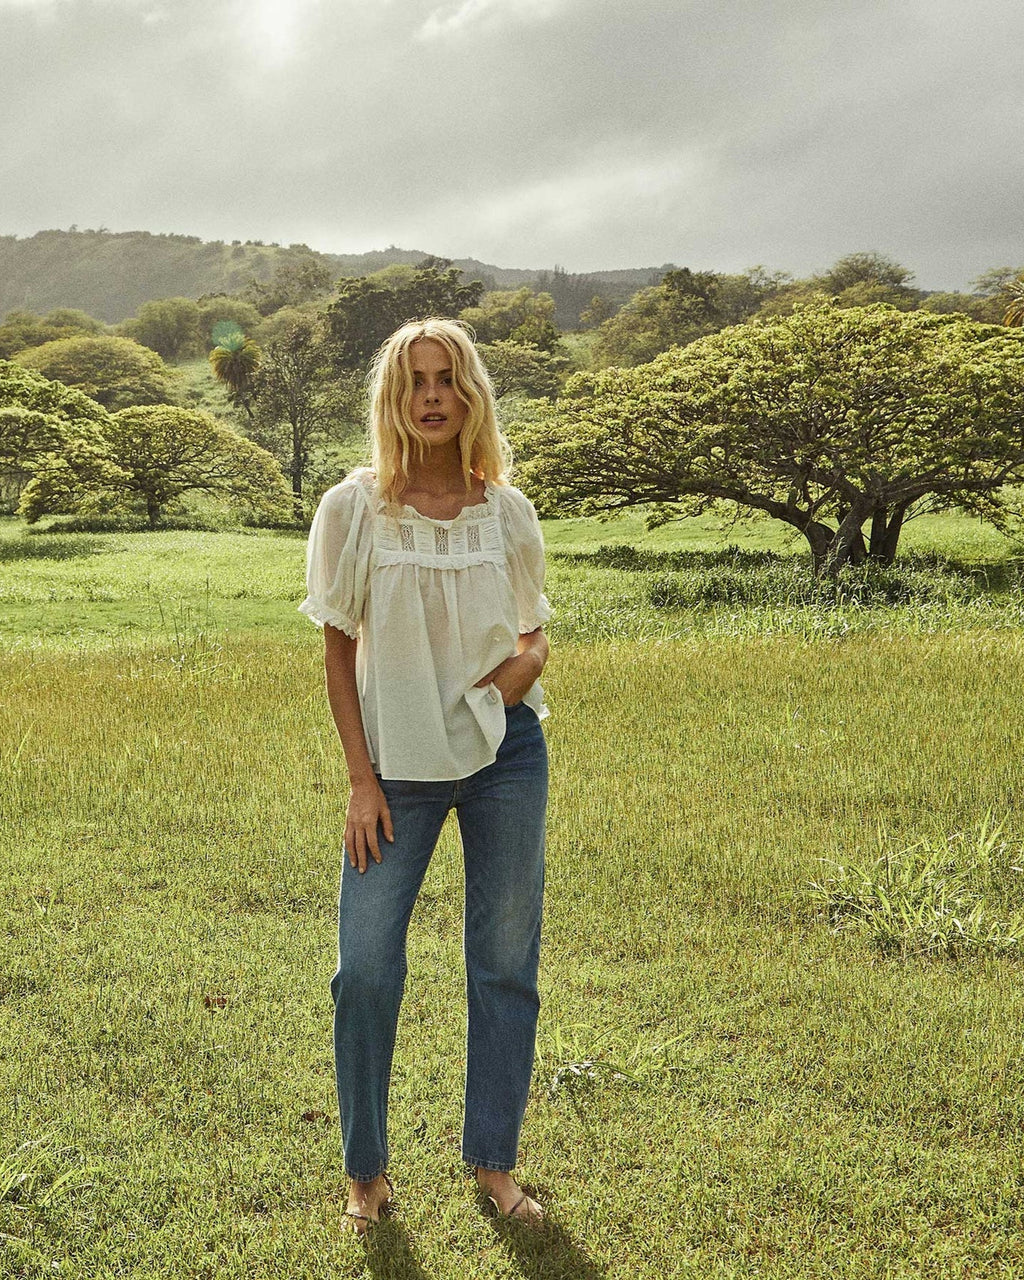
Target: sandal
{"type": "Point", "coordinates": [384, 1207]}
{"type": "Point", "coordinates": [529, 1216]}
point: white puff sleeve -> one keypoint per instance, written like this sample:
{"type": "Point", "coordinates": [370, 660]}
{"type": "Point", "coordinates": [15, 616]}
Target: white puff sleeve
{"type": "Point", "coordinates": [524, 546]}
{"type": "Point", "coordinates": [338, 559]}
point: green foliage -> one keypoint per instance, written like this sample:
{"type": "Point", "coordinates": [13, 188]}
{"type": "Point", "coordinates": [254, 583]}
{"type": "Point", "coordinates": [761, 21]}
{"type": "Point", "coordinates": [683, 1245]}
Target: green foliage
{"type": "Point", "coordinates": [824, 420]}
{"type": "Point", "coordinates": [523, 367]}
{"type": "Point", "coordinates": [298, 279]}
{"type": "Point", "coordinates": [597, 310]}
{"type": "Point", "coordinates": [235, 361]}
{"type": "Point", "coordinates": [368, 309]}
{"type": "Point", "coordinates": [23, 329]}
{"type": "Point", "coordinates": [685, 306]}
{"type": "Point", "coordinates": [157, 454]}
{"type": "Point", "coordinates": [864, 268]}
{"type": "Point", "coordinates": [300, 402]}
{"type": "Point", "coordinates": [931, 897]}
{"type": "Point", "coordinates": [39, 417]}
{"type": "Point", "coordinates": [220, 309]}
{"type": "Point", "coordinates": [987, 309]}
{"type": "Point", "coordinates": [169, 326]}
{"type": "Point", "coordinates": [115, 372]}
{"type": "Point", "coordinates": [514, 315]}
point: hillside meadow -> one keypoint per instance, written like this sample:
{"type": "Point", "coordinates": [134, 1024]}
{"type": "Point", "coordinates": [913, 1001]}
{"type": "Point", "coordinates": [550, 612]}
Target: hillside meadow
{"type": "Point", "coordinates": [750, 1063]}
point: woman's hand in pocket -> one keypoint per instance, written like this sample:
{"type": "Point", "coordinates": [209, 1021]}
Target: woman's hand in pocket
{"type": "Point", "coordinates": [513, 677]}
{"type": "Point", "coordinates": [367, 805]}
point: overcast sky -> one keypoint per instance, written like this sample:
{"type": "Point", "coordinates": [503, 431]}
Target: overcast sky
{"type": "Point", "coordinates": [716, 134]}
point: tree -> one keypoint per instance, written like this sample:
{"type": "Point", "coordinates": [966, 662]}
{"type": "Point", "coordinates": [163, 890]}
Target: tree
{"type": "Point", "coordinates": [169, 326]}
{"type": "Point", "coordinates": [216, 307]}
{"type": "Point", "coordinates": [23, 329]}
{"type": "Point", "coordinates": [160, 452]}
{"type": "Point", "coordinates": [597, 310]}
{"type": "Point", "coordinates": [370, 308]}
{"type": "Point", "coordinates": [522, 367]}
{"type": "Point", "coordinates": [868, 267]}
{"type": "Point", "coordinates": [115, 372]}
{"type": "Point", "coordinates": [43, 421]}
{"type": "Point", "coordinates": [234, 361]}
{"type": "Point", "coordinates": [685, 306]}
{"type": "Point", "coordinates": [857, 280]}
{"type": "Point", "coordinates": [1014, 313]}
{"type": "Point", "coordinates": [300, 401]}
{"type": "Point", "coordinates": [827, 420]}
{"type": "Point", "coordinates": [516, 315]}
{"type": "Point", "coordinates": [295, 280]}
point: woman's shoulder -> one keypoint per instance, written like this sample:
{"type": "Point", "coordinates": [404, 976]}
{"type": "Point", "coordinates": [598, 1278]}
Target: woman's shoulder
{"type": "Point", "coordinates": [349, 493]}
{"type": "Point", "coordinates": [514, 502]}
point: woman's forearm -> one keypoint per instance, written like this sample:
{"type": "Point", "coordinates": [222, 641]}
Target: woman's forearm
{"type": "Point", "coordinates": [343, 696]}
{"type": "Point", "coordinates": [535, 643]}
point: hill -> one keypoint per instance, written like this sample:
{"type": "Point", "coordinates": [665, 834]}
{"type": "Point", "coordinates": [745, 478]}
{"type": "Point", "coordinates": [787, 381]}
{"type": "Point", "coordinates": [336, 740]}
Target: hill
{"type": "Point", "coordinates": [110, 274]}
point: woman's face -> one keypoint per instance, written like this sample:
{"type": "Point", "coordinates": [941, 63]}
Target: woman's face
{"type": "Point", "coordinates": [437, 411]}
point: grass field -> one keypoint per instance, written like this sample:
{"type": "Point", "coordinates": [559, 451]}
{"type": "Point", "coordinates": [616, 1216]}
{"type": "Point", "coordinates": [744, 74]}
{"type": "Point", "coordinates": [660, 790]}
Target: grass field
{"type": "Point", "coordinates": [725, 1086]}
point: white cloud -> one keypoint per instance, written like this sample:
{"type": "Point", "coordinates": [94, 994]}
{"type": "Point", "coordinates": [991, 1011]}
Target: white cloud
{"type": "Point", "coordinates": [449, 19]}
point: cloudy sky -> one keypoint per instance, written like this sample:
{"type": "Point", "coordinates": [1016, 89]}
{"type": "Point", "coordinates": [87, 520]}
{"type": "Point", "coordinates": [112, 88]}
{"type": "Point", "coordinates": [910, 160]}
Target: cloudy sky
{"type": "Point", "coordinates": [590, 133]}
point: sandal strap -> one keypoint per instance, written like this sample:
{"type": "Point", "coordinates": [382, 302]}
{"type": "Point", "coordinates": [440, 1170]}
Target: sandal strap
{"type": "Point", "coordinates": [512, 1211]}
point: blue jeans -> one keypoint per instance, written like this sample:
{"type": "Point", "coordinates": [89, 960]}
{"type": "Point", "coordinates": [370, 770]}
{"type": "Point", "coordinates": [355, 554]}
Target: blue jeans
{"type": "Point", "coordinates": [501, 812]}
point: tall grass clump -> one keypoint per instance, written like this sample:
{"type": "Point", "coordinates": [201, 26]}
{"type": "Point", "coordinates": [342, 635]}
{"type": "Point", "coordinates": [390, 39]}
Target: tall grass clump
{"type": "Point", "coordinates": [932, 897]}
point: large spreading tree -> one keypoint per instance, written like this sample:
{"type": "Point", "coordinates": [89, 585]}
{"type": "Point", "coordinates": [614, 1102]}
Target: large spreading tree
{"type": "Point", "coordinates": [840, 422]}
{"type": "Point", "coordinates": [157, 453]}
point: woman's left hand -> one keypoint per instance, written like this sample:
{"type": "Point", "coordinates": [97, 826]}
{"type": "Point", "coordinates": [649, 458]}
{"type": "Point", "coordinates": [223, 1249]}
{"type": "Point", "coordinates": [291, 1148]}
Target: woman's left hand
{"type": "Point", "coordinates": [513, 677]}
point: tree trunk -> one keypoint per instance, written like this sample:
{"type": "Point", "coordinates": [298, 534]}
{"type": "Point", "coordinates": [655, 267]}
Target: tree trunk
{"type": "Point", "coordinates": [842, 544]}
{"type": "Point", "coordinates": [819, 537]}
{"type": "Point", "coordinates": [297, 467]}
{"type": "Point", "coordinates": [152, 510]}
{"type": "Point", "coordinates": [889, 539]}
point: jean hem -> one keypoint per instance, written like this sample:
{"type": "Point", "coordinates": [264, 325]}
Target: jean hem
{"type": "Point", "coordinates": [496, 1166]}
{"type": "Point", "coordinates": [358, 1177]}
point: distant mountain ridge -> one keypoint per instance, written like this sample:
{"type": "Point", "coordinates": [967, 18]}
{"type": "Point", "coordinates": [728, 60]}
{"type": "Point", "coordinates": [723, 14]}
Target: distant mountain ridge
{"type": "Point", "coordinates": [110, 274]}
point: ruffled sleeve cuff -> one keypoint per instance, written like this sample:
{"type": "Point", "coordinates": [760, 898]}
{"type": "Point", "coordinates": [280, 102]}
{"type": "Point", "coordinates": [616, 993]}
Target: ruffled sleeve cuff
{"type": "Point", "coordinates": [537, 617]}
{"type": "Point", "coordinates": [321, 613]}
{"type": "Point", "coordinates": [338, 556]}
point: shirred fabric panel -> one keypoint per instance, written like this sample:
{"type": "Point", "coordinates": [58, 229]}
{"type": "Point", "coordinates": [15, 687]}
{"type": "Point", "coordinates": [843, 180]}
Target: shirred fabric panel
{"type": "Point", "coordinates": [524, 544]}
{"type": "Point", "coordinates": [338, 556]}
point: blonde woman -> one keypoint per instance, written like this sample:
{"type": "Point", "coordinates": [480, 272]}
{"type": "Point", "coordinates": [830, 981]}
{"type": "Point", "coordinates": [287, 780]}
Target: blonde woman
{"type": "Point", "coordinates": [426, 572]}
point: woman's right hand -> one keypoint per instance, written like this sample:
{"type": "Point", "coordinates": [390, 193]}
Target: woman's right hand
{"type": "Point", "coordinates": [367, 806]}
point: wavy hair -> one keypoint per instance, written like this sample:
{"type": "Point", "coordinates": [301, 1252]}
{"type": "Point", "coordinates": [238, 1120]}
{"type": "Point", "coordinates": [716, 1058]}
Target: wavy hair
{"type": "Point", "coordinates": [483, 448]}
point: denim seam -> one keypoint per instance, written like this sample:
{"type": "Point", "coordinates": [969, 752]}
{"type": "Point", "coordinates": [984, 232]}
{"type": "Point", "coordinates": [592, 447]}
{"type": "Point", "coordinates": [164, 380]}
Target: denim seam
{"type": "Point", "coordinates": [503, 1167]}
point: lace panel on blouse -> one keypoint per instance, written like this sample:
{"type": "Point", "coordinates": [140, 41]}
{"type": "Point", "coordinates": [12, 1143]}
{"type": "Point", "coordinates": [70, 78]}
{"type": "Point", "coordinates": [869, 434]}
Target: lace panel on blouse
{"type": "Point", "coordinates": [474, 537]}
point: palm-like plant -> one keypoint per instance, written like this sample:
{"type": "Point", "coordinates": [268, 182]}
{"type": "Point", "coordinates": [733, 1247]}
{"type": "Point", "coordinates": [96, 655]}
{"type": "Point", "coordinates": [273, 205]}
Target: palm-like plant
{"type": "Point", "coordinates": [234, 361]}
{"type": "Point", "coordinates": [1014, 314]}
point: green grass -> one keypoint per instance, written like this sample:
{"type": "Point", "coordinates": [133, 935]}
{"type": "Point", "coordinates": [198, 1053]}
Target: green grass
{"type": "Point", "coordinates": [725, 1085]}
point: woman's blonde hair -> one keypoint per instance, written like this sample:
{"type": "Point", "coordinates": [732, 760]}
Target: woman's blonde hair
{"type": "Point", "coordinates": [484, 449]}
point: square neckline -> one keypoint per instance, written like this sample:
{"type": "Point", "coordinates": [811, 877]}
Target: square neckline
{"type": "Point", "coordinates": [470, 506]}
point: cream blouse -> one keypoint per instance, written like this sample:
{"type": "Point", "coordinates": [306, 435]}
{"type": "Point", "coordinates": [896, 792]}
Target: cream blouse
{"type": "Point", "coordinates": [434, 605]}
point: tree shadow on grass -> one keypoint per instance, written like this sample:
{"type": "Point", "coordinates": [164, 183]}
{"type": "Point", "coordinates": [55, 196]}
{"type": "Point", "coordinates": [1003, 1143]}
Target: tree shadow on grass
{"type": "Point", "coordinates": [46, 547]}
